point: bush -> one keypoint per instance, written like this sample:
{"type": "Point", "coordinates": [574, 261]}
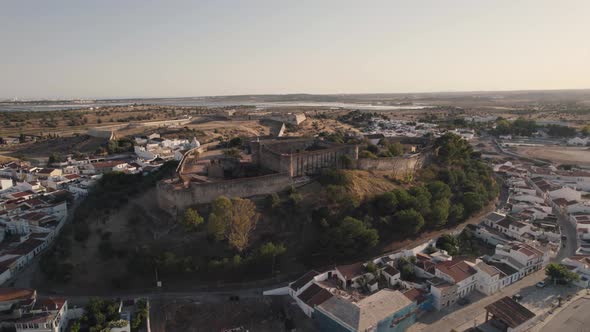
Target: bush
{"type": "Point", "coordinates": [335, 177]}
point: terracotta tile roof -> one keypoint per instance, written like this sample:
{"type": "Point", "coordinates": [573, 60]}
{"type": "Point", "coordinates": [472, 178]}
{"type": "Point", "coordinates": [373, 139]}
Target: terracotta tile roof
{"type": "Point", "coordinates": [46, 170]}
{"type": "Point", "coordinates": [314, 295]}
{"type": "Point", "coordinates": [457, 270]}
{"type": "Point", "coordinates": [50, 303]}
{"type": "Point", "coordinates": [390, 270]}
{"type": "Point", "coordinates": [22, 194]}
{"type": "Point", "coordinates": [303, 280]}
{"type": "Point", "coordinates": [13, 294]}
{"type": "Point", "coordinates": [416, 295]}
{"type": "Point", "coordinates": [25, 247]}
{"type": "Point", "coordinates": [352, 270]}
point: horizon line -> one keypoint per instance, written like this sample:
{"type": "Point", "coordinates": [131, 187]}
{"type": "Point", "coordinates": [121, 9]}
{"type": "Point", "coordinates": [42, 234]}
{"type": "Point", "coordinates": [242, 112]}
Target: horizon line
{"type": "Point", "coordinates": [11, 99]}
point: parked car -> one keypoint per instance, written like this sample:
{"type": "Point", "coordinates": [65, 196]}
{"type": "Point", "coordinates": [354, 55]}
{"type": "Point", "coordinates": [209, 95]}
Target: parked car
{"type": "Point", "coordinates": [517, 297]}
{"type": "Point", "coordinates": [541, 284]}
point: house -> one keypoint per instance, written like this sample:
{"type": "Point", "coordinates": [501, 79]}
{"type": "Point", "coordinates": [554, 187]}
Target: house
{"type": "Point", "coordinates": [488, 278]}
{"type": "Point", "coordinates": [579, 264]}
{"type": "Point", "coordinates": [311, 297]}
{"type": "Point", "coordinates": [523, 257]}
{"type": "Point", "coordinates": [16, 297]}
{"type": "Point", "coordinates": [391, 274]}
{"type": "Point", "coordinates": [566, 193]}
{"type": "Point", "coordinates": [492, 218]}
{"type": "Point", "coordinates": [460, 273]}
{"type": "Point", "coordinates": [509, 274]}
{"type": "Point", "coordinates": [5, 183]}
{"type": "Point", "coordinates": [7, 266]}
{"type": "Point", "coordinates": [421, 298]}
{"type": "Point", "coordinates": [386, 310]}
{"type": "Point", "coordinates": [299, 285]}
{"type": "Point", "coordinates": [578, 141]}
{"type": "Point", "coordinates": [444, 293]}
{"type": "Point", "coordinates": [508, 315]}
{"type": "Point", "coordinates": [350, 275]}
{"type": "Point", "coordinates": [46, 173]}
{"type": "Point", "coordinates": [47, 315]}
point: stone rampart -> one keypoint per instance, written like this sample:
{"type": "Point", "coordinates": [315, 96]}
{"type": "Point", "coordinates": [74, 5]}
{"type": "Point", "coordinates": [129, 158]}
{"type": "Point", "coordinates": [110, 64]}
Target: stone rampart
{"type": "Point", "coordinates": [401, 167]}
{"type": "Point", "coordinates": [175, 197]}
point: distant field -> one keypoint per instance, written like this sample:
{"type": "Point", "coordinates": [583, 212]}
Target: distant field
{"type": "Point", "coordinates": [557, 154]}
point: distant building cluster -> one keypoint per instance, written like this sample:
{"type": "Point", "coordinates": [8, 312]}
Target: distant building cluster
{"type": "Point", "coordinates": [151, 147]}
{"type": "Point", "coordinates": [393, 128]}
{"type": "Point", "coordinates": [539, 198]}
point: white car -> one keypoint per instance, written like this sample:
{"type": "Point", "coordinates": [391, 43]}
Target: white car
{"type": "Point", "coordinates": [540, 284]}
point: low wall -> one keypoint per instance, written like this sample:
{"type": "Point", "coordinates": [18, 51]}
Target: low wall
{"type": "Point", "coordinates": [177, 199]}
{"type": "Point", "coordinates": [401, 167]}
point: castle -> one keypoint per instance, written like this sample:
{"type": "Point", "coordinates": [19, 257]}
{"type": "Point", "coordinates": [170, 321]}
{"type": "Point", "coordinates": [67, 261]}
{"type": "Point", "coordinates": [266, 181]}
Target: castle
{"type": "Point", "coordinates": [272, 165]}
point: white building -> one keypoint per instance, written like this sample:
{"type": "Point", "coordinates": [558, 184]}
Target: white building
{"type": "Point", "coordinates": [460, 273]}
{"type": "Point", "coordinates": [488, 278]}
{"type": "Point", "coordinates": [523, 257]}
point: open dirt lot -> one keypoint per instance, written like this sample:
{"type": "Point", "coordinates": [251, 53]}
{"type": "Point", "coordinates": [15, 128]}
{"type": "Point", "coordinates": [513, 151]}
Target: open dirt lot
{"type": "Point", "coordinates": [557, 154]}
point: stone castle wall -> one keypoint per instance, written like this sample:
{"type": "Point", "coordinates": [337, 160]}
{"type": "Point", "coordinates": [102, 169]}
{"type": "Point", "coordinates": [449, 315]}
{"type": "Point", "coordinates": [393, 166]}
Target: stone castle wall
{"type": "Point", "coordinates": [172, 198]}
{"type": "Point", "coordinates": [401, 167]}
{"type": "Point", "coordinates": [291, 156]}
{"type": "Point", "coordinates": [288, 158]}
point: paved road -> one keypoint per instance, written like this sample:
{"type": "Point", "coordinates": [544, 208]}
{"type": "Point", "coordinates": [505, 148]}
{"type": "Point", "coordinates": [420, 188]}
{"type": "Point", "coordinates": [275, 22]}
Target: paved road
{"type": "Point", "coordinates": [571, 244]}
{"type": "Point", "coordinates": [573, 318]}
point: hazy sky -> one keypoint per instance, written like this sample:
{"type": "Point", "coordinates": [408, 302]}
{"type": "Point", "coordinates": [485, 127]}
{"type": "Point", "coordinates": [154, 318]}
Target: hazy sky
{"type": "Point", "coordinates": [193, 48]}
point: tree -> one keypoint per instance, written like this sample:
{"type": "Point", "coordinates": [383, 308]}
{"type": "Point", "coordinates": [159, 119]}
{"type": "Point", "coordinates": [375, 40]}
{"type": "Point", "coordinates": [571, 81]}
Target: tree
{"type": "Point", "coordinates": [75, 326]}
{"type": "Point", "coordinates": [439, 214]}
{"type": "Point", "coordinates": [191, 219]}
{"type": "Point", "coordinates": [472, 203]}
{"type": "Point", "coordinates": [235, 142]}
{"type": "Point", "coordinates": [374, 149]}
{"type": "Point", "coordinates": [272, 201]}
{"type": "Point", "coordinates": [421, 199]}
{"type": "Point", "coordinates": [242, 222]}
{"type": "Point", "coordinates": [410, 221]}
{"type": "Point", "coordinates": [559, 273]}
{"type": "Point", "coordinates": [448, 243]}
{"type": "Point", "coordinates": [367, 154]}
{"type": "Point", "coordinates": [54, 158]}
{"type": "Point", "coordinates": [352, 236]}
{"type": "Point", "coordinates": [439, 190]}
{"type": "Point", "coordinates": [586, 130]}
{"type": "Point", "coordinates": [396, 149]}
{"type": "Point", "coordinates": [456, 213]}
{"type": "Point", "coordinates": [386, 203]}
{"type": "Point", "coordinates": [219, 218]}
{"type": "Point", "coordinates": [406, 268]}
{"type": "Point", "coordinates": [271, 251]}
{"type": "Point", "coordinates": [404, 199]}
{"type": "Point", "coordinates": [232, 153]}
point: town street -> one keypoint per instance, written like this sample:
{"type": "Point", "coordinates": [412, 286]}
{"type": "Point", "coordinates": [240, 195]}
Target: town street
{"type": "Point", "coordinates": [574, 317]}
{"type": "Point", "coordinates": [461, 318]}
{"type": "Point", "coordinates": [571, 244]}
